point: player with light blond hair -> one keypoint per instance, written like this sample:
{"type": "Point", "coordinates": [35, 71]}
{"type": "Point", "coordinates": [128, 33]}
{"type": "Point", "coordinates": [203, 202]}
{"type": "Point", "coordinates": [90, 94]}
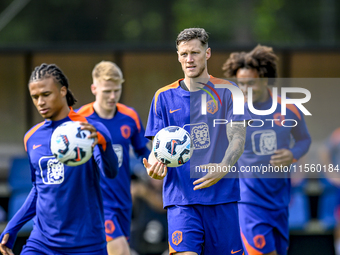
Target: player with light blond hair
{"type": "Point", "coordinates": [126, 129]}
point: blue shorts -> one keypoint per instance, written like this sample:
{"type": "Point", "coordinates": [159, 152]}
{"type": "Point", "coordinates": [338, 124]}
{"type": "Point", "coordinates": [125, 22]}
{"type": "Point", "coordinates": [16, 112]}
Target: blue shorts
{"type": "Point", "coordinates": [33, 248]}
{"type": "Point", "coordinates": [263, 230]}
{"type": "Point", "coordinates": [117, 223]}
{"type": "Point", "coordinates": [204, 229]}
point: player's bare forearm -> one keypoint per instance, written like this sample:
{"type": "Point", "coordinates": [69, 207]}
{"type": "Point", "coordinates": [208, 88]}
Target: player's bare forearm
{"type": "Point", "coordinates": [236, 133]}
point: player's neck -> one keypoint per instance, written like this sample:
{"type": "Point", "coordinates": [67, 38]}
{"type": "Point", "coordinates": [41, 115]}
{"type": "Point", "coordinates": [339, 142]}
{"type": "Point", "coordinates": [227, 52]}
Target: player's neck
{"type": "Point", "coordinates": [265, 96]}
{"type": "Point", "coordinates": [61, 114]}
{"type": "Point", "coordinates": [193, 84]}
{"type": "Point", "coordinates": [104, 114]}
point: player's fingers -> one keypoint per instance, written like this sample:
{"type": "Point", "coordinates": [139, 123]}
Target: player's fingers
{"type": "Point", "coordinates": [165, 171]}
{"type": "Point", "coordinates": [277, 156]}
{"type": "Point", "coordinates": [5, 239]}
{"type": "Point", "coordinates": [9, 251]}
{"type": "Point", "coordinates": [199, 180]}
{"type": "Point", "coordinates": [5, 251]}
{"type": "Point", "coordinates": [153, 171]}
{"type": "Point", "coordinates": [146, 163]}
{"type": "Point", "coordinates": [277, 163]}
{"type": "Point", "coordinates": [203, 185]}
{"type": "Point", "coordinates": [159, 171]}
{"type": "Point", "coordinates": [95, 142]}
{"type": "Point", "coordinates": [86, 125]}
{"type": "Point", "coordinates": [94, 133]}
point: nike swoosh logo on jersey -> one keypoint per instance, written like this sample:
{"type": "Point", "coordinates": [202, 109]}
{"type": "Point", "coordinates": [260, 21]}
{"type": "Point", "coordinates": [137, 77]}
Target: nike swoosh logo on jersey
{"type": "Point", "coordinates": [36, 146]}
{"type": "Point", "coordinates": [233, 252]}
{"type": "Point", "coordinates": [172, 111]}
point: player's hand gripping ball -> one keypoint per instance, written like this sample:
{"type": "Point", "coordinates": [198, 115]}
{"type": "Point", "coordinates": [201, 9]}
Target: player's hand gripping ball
{"type": "Point", "coordinates": [172, 146]}
{"type": "Point", "coordinates": [70, 144]}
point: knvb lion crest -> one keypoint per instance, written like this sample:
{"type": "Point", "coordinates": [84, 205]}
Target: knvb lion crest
{"type": "Point", "coordinates": [177, 237]}
{"type": "Point", "coordinates": [52, 171]}
{"type": "Point", "coordinates": [264, 142]}
{"type": "Point", "coordinates": [200, 136]}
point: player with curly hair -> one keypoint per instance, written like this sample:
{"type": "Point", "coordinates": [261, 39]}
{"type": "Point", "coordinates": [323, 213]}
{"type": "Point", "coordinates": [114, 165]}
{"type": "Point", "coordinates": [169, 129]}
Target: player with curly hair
{"type": "Point", "coordinates": [263, 209]}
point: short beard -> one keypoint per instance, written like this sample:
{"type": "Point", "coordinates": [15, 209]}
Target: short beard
{"type": "Point", "coordinates": [198, 74]}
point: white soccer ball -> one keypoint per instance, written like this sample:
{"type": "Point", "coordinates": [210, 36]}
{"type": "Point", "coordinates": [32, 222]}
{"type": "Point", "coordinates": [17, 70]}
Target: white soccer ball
{"type": "Point", "coordinates": [70, 145]}
{"type": "Point", "coordinates": [172, 146]}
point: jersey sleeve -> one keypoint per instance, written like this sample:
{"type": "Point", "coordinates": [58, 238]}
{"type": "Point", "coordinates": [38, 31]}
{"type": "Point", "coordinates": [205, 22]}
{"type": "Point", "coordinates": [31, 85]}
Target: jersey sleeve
{"type": "Point", "coordinates": [139, 142]}
{"type": "Point", "coordinates": [155, 122]}
{"type": "Point", "coordinates": [104, 154]}
{"type": "Point", "coordinates": [302, 138]}
{"type": "Point", "coordinates": [23, 215]}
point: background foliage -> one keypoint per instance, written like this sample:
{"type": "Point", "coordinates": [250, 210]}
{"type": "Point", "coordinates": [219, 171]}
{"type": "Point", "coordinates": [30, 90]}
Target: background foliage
{"type": "Point", "coordinates": [276, 22]}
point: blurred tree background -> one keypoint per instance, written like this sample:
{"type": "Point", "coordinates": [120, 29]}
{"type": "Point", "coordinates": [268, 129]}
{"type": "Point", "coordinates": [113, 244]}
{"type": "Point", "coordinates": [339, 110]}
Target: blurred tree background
{"type": "Point", "coordinates": [147, 22]}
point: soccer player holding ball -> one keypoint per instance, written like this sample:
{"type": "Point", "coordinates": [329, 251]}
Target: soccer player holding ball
{"type": "Point", "coordinates": [201, 205]}
{"type": "Point", "coordinates": [263, 208]}
{"type": "Point", "coordinates": [66, 200]}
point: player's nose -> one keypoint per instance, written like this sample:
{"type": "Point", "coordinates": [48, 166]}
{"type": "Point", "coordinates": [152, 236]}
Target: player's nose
{"type": "Point", "coordinates": [190, 58]}
{"type": "Point", "coordinates": [41, 101]}
{"type": "Point", "coordinates": [244, 89]}
{"type": "Point", "coordinates": [112, 95]}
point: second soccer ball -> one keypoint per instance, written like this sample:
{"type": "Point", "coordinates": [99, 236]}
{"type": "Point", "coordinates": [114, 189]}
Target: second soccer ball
{"type": "Point", "coordinates": [172, 146]}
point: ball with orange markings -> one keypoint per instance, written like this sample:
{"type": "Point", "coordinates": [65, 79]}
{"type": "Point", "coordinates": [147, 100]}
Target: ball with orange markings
{"type": "Point", "coordinates": [70, 144]}
{"type": "Point", "coordinates": [172, 146]}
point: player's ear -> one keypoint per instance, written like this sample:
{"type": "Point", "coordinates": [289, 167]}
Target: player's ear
{"type": "Point", "coordinates": [208, 53]}
{"type": "Point", "coordinates": [178, 56]}
{"type": "Point", "coordinates": [93, 89]}
{"type": "Point", "coordinates": [264, 81]}
{"type": "Point", "coordinates": [63, 91]}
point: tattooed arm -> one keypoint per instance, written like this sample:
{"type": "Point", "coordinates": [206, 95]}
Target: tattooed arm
{"type": "Point", "coordinates": [236, 133]}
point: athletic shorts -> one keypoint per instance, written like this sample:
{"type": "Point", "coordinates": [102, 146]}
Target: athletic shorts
{"type": "Point", "coordinates": [204, 229]}
{"type": "Point", "coordinates": [263, 230]}
{"type": "Point", "coordinates": [33, 248]}
{"type": "Point", "coordinates": [117, 223]}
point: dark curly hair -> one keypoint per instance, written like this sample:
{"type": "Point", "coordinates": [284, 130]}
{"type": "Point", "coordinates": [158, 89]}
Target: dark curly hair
{"type": "Point", "coordinates": [261, 58]}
